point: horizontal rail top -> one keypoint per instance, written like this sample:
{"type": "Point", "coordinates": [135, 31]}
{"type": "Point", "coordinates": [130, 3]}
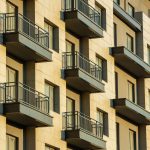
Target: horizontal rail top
{"type": "Point", "coordinates": [72, 60]}
{"type": "Point", "coordinates": [13, 92]}
{"type": "Point", "coordinates": [76, 120]}
{"type": "Point", "coordinates": [18, 23]}
{"type": "Point", "coordinates": [84, 8]}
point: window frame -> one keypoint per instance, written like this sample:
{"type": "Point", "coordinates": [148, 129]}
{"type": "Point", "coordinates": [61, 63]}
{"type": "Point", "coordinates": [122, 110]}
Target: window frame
{"type": "Point", "coordinates": [132, 42]}
{"type": "Point", "coordinates": [50, 146]}
{"type": "Point", "coordinates": [105, 121]}
{"type": "Point", "coordinates": [133, 10]}
{"type": "Point", "coordinates": [134, 138]}
{"type": "Point", "coordinates": [56, 96]}
{"type": "Point", "coordinates": [16, 138]}
{"type": "Point", "coordinates": [117, 136]}
{"type": "Point", "coordinates": [148, 49]}
{"type": "Point", "coordinates": [133, 91]}
{"type": "Point", "coordinates": [16, 72]}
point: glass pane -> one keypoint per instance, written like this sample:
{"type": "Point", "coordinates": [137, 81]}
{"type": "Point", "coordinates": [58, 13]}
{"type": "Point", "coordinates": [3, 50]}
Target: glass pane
{"type": "Point", "coordinates": [10, 8]}
{"type": "Point", "coordinates": [98, 17]}
{"type": "Point", "coordinates": [131, 10]}
{"type": "Point", "coordinates": [132, 139]}
{"type": "Point", "coordinates": [11, 143]}
{"type": "Point", "coordinates": [129, 43]}
{"type": "Point", "coordinates": [51, 37]}
{"type": "Point", "coordinates": [100, 117]}
{"type": "Point", "coordinates": [70, 105]}
{"type": "Point", "coordinates": [130, 91]}
{"type": "Point", "coordinates": [49, 91]}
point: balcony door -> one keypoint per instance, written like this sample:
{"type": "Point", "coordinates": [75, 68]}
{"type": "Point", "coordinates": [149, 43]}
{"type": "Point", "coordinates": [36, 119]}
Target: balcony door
{"type": "Point", "coordinates": [69, 49]}
{"type": "Point", "coordinates": [70, 112]}
{"type": "Point", "coordinates": [11, 79]}
{"type": "Point", "coordinates": [11, 10]}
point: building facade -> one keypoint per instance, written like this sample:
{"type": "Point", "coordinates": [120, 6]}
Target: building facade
{"type": "Point", "coordinates": [74, 74]}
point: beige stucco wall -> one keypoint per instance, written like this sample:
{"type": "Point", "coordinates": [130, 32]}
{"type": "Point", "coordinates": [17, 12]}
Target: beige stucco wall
{"type": "Point", "coordinates": [122, 30]}
{"type": "Point", "coordinates": [124, 133]}
{"type": "Point", "coordinates": [123, 79]}
{"type": "Point", "coordinates": [17, 133]}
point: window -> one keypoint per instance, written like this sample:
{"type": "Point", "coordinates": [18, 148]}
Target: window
{"type": "Point", "coordinates": [115, 35]}
{"type": "Point", "coordinates": [53, 35]}
{"type": "Point", "coordinates": [102, 71]}
{"type": "Point", "coordinates": [47, 147]}
{"type": "Point", "coordinates": [131, 93]}
{"type": "Point", "coordinates": [52, 92]}
{"type": "Point", "coordinates": [11, 75]}
{"type": "Point", "coordinates": [130, 43]}
{"type": "Point", "coordinates": [70, 105]}
{"type": "Point", "coordinates": [130, 10]}
{"type": "Point", "coordinates": [117, 136]}
{"type": "Point", "coordinates": [132, 139]}
{"type": "Point", "coordinates": [11, 8]}
{"type": "Point", "coordinates": [117, 2]}
{"type": "Point", "coordinates": [100, 16]}
{"type": "Point", "coordinates": [148, 49]}
{"type": "Point", "coordinates": [99, 62]}
{"type": "Point", "coordinates": [69, 46]}
{"type": "Point", "coordinates": [102, 117]}
{"type": "Point", "coordinates": [11, 143]}
{"type": "Point", "coordinates": [99, 19]}
{"type": "Point", "coordinates": [49, 29]}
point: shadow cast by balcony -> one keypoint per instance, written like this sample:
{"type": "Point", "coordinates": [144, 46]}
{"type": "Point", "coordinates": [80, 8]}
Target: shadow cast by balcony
{"type": "Point", "coordinates": [25, 106]}
{"type": "Point", "coordinates": [24, 39]}
{"type": "Point", "coordinates": [82, 74]}
{"type": "Point", "coordinates": [82, 19]}
{"type": "Point", "coordinates": [83, 132]}
{"type": "Point", "coordinates": [130, 62]}
{"type": "Point", "coordinates": [131, 111]}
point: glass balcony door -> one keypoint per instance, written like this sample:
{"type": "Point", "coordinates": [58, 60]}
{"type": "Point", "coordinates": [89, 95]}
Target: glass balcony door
{"type": "Point", "coordinates": [11, 76]}
{"type": "Point", "coordinates": [70, 109]}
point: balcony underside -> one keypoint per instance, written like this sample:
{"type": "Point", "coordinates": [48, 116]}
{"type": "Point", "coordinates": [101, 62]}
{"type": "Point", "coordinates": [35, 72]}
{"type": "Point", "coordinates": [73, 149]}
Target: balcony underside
{"type": "Point", "coordinates": [131, 111]}
{"type": "Point", "coordinates": [126, 18]}
{"type": "Point", "coordinates": [84, 140]}
{"type": "Point", "coordinates": [81, 26]}
{"type": "Point", "coordinates": [26, 116]}
{"type": "Point", "coordinates": [26, 49]}
{"type": "Point", "coordinates": [79, 80]}
{"type": "Point", "coordinates": [130, 62]}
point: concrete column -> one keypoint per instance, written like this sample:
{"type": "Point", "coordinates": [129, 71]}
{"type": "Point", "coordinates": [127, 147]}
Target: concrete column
{"type": "Point", "coordinates": [29, 74]}
{"type": "Point", "coordinates": [139, 37]}
{"type": "Point", "coordinates": [85, 103]}
{"type": "Point", "coordinates": [141, 92]}
{"type": "Point", "coordinates": [84, 46]}
{"type": "Point", "coordinates": [30, 138]}
{"type": "Point", "coordinates": [142, 137]}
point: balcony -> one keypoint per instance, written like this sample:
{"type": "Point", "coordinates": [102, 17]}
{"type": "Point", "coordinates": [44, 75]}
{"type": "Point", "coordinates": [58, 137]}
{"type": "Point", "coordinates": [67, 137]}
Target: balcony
{"type": "Point", "coordinates": [131, 111]}
{"type": "Point", "coordinates": [24, 105]}
{"type": "Point", "coordinates": [82, 74]}
{"type": "Point", "coordinates": [125, 17]}
{"type": "Point", "coordinates": [24, 39]}
{"type": "Point", "coordinates": [83, 132]}
{"type": "Point", "coordinates": [130, 62]}
{"type": "Point", "coordinates": [82, 19]}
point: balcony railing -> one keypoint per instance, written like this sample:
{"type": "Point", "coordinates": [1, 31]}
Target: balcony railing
{"type": "Point", "coordinates": [11, 22]}
{"type": "Point", "coordinates": [77, 120]}
{"type": "Point", "coordinates": [76, 60]}
{"type": "Point", "coordinates": [12, 92]}
{"type": "Point", "coordinates": [84, 8]}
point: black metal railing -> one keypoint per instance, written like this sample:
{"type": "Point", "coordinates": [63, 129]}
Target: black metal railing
{"type": "Point", "coordinates": [12, 22]}
{"type": "Point", "coordinates": [76, 60]}
{"type": "Point", "coordinates": [83, 7]}
{"type": "Point", "coordinates": [76, 120]}
{"type": "Point", "coordinates": [12, 92]}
